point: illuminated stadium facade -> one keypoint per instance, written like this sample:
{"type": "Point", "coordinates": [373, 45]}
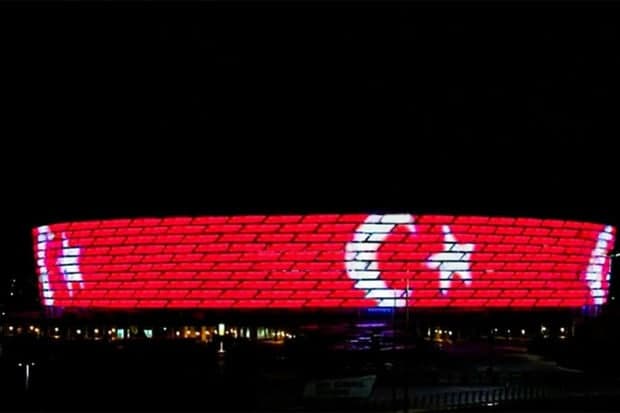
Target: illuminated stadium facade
{"type": "Point", "coordinates": [323, 261]}
{"type": "Point", "coordinates": [272, 277]}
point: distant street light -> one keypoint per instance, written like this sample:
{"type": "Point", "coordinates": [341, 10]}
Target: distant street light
{"type": "Point", "coordinates": [27, 366]}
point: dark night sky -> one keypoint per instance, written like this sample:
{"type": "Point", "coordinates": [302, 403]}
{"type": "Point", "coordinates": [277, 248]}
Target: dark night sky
{"type": "Point", "coordinates": [439, 107]}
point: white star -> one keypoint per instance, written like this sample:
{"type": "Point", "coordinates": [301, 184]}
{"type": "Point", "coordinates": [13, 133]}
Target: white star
{"type": "Point", "coordinates": [455, 260]}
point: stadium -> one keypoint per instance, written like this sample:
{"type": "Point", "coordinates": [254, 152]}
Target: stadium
{"type": "Point", "coordinates": [321, 267]}
{"type": "Point", "coordinates": [339, 294]}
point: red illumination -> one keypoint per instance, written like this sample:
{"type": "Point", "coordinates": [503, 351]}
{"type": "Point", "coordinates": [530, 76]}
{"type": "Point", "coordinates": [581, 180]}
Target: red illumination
{"type": "Point", "coordinates": [323, 261]}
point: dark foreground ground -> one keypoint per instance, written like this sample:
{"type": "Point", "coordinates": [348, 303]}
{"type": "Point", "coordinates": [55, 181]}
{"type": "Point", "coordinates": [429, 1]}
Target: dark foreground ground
{"type": "Point", "coordinates": [193, 376]}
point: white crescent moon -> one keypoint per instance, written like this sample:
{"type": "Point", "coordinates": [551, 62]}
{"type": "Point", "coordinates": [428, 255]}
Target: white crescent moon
{"type": "Point", "coordinates": [361, 257]}
{"type": "Point", "coordinates": [43, 238]}
{"type": "Point", "coordinates": [598, 258]}
{"type": "Point", "coordinates": [67, 262]}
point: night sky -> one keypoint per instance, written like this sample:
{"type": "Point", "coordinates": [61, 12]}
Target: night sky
{"type": "Point", "coordinates": [422, 107]}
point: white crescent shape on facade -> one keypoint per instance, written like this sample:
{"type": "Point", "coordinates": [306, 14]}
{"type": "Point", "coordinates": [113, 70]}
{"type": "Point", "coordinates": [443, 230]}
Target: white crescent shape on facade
{"type": "Point", "coordinates": [598, 258]}
{"type": "Point", "coordinates": [43, 238]}
{"type": "Point", "coordinates": [361, 257]}
{"type": "Point", "coordinates": [67, 263]}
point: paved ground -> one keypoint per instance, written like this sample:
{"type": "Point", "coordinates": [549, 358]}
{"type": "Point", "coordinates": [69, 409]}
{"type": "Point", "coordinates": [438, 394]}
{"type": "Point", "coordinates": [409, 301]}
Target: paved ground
{"type": "Point", "coordinates": [170, 376]}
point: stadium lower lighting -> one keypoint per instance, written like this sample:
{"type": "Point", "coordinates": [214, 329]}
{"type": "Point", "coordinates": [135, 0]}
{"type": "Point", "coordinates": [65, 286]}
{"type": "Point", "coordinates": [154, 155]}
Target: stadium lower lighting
{"type": "Point", "coordinates": [329, 261]}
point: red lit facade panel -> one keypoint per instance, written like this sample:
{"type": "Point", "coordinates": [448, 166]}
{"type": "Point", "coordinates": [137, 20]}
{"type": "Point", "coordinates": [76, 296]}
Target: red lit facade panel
{"type": "Point", "coordinates": [327, 261]}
